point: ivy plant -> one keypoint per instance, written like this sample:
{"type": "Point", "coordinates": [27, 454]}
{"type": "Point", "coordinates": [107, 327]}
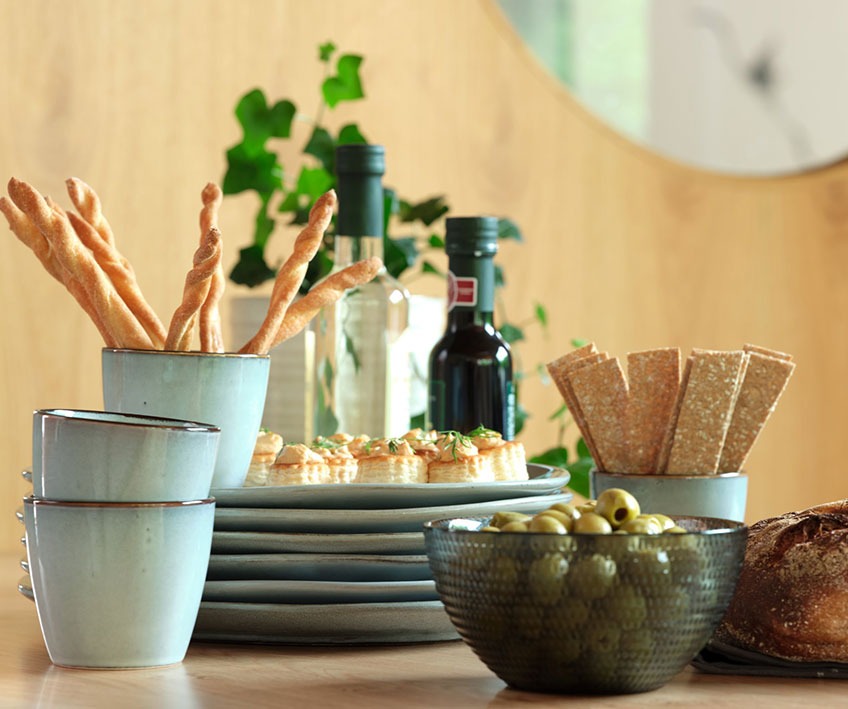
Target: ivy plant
{"type": "Point", "coordinates": [414, 229]}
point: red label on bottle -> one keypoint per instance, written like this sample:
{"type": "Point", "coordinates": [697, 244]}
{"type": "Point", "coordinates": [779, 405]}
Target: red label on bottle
{"type": "Point", "coordinates": [462, 290]}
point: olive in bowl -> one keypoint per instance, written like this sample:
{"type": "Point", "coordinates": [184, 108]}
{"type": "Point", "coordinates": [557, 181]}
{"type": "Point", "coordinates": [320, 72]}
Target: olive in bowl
{"type": "Point", "coordinates": [605, 612]}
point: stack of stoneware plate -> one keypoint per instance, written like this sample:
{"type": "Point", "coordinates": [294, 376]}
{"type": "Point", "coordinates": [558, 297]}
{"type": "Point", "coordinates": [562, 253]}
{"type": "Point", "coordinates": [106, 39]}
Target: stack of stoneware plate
{"type": "Point", "coordinates": [342, 564]}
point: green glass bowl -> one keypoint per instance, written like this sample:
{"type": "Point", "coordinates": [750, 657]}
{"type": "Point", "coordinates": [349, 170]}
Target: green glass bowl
{"type": "Point", "coordinates": [587, 614]}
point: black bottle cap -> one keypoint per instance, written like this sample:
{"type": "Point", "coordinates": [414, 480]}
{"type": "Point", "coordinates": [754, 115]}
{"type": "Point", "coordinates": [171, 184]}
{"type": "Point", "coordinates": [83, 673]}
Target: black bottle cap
{"type": "Point", "coordinates": [471, 236]}
{"type": "Point", "coordinates": [359, 158]}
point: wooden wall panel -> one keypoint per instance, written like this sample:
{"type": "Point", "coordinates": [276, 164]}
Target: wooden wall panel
{"type": "Point", "coordinates": [623, 247]}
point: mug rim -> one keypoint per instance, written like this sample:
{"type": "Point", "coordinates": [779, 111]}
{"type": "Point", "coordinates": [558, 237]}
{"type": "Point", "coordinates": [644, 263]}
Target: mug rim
{"type": "Point", "coordinates": [44, 502]}
{"type": "Point", "coordinates": [186, 353]}
{"type": "Point", "coordinates": [127, 419]}
{"type": "Point", "coordinates": [665, 476]}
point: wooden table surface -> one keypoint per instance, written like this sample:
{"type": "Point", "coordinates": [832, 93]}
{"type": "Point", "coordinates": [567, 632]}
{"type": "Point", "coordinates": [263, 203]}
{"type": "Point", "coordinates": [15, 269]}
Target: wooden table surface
{"type": "Point", "coordinates": [445, 674]}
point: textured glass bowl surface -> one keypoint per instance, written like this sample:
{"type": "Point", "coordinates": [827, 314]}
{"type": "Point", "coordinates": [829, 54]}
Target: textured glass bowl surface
{"type": "Point", "coordinates": [597, 614]}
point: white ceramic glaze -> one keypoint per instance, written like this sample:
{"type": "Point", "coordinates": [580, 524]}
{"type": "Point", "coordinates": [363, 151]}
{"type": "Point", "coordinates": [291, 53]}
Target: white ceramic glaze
{"type": "Point", "coordinates": [722, 496]}
{"type": "Point", "coordinates": [118, 585]}
{"type": "Point", "coordinates": [227, 390]}
{"type": "Point", "coordinates": [112, 457]}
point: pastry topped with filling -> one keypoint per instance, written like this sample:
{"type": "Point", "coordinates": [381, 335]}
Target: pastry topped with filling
{"type": "Point", "coordinates": [297, 464]}
{"type": "Point", "coordinates": [507, 457]}
{"type": "Point", "coordinates": [265, 451]}
{"type": "Point", "coordinates": [459, 461]}
{"type": "Point", "coordinates": [391, 460]}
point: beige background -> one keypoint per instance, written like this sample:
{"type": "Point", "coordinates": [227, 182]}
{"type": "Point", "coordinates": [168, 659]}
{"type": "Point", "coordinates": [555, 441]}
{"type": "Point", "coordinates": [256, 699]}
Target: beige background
{"type": "Point", "coordinates": [624, 248]}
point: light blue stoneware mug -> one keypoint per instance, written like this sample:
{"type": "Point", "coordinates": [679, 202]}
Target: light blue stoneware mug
{"type": "Point", "coordinates": [118, 584]}
{"type": "Point", "coordinates": [224, 389]}
{"type": "Point", "coordinates": [112, 457]}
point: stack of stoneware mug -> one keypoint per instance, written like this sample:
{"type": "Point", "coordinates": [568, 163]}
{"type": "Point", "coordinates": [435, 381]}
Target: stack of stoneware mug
{"type": "Point", "coordinates": [118, 533]}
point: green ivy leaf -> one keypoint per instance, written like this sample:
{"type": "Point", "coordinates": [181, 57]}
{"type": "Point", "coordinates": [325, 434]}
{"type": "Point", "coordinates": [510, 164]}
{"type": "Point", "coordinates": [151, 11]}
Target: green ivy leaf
{"type": "Point", "coordinates": [325, 51]}
{"type": "Point", "coordinates": [426, 212]}
{"type": "Point", "coordinates": [259, 171]}
{"type": "Point", "coordinates": [500, 281]}
{"type": "Point", "coordinates": [576, 343]}
{"type": "Point", "coordinates": [427, 267]}
{"type": "Point", "coordinates": [399, 254]}
{"type": "Point", "coordinates": [508, 229]}
{"type": "Point", "coordinates": [314, 181]}
{"type": "Point", "coordinates": [511, 333]}
{"type": "Point", "coordinates": [582, 449]}
{"type": "Point", "coordinates": [321, 146]}
{"type": "Point", "coordinates": [263, 226]}
{"type": "Point", "coordinates": [541, 314]}
{"type": "Point", "coordinates": [350, 135]}
{"type": "Point", "coordinates": [418, 421]}
{"type": "Point", "coordinates": [557, 457]}
{"type": "Point", "coordinates": [252, 114]}
{"type": "Point", "coordinates": [345, 85]}
{"type": "Point", "coordinates": [291, 202]}
{"type": "Point", "coordinates": [251, 269]}
{"type": "Point", "coordinates": [280, 119]}
{"type": "Point", "coordinates": [436, 241]}
{"type": "Point", "coordinates": [390, 207]}
{"type": "Point", "coordinates": [579, 471]}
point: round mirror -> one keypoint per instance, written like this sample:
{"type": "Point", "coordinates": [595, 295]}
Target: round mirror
{"type": "Point", "coordinates": [753, 87]}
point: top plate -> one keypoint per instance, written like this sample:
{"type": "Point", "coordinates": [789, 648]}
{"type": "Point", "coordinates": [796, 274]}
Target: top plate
{"type": "Point", "coordinates": [544, 480]}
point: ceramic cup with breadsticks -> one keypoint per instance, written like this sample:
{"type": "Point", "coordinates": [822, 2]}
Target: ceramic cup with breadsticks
{"type": "Point", "coordinates": [179, 370]}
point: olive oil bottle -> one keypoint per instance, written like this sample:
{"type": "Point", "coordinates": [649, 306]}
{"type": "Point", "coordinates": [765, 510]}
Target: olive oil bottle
{"type": "Point", "coordinates": [470, 377]}
{"type": "Point", "coordinates": [362, 358]}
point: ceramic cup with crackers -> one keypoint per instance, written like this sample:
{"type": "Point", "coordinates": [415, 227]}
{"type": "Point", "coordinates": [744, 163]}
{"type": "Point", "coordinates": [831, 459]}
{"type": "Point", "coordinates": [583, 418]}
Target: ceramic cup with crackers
{"type": "Point", "coordinates": [112, 457]}
{"type": "Point", "coordinates": [722, 496]}
{"type": "Point", "coordinates": [223, 389]}
{"type": "Point", "coordinates": [118, 585]}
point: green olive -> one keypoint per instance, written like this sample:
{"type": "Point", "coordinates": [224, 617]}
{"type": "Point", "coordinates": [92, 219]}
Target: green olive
{"type": "Point", "coordinates": [587, 506]}
{"type": "Point", "coordinates": [566, 509]}
{"type": "Point", "coordinates": [544, 578]}
{"type": "Point", "coordinates": [499, 519]}
{"type": "Point", "coordinates": [556, 514]}
{"type": "Point", "coordinates": [591, 523]}
{"type": "Point", "coordinates": [642, 525]}
{"type": "Point", "coordinates": [592, 577]}
{"type": "Point", "coordinates": [665, 522]}
{"type": "Point", "coordinates": [547, 524]}
{"type": "Point", "coordinates": [515, 527]}
{"type": "Point", "coordinates": [618, 506]}
{"type": "Point", "coordinates": [626, 607]}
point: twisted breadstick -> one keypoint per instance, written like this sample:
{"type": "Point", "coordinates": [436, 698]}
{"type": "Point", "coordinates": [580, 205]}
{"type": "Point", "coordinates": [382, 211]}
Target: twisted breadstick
{"type": "Point", "coordinates": [325, 294]}
{"type": "Point", "coordinates": [197, 283]}
{"type": "Point", "coordinates": [211, 338]}
{"type": "Point", "coordinates": [110, 261]}
{"type": "Point", "coordinates": [30, 236]}
{"type": "Point", "coordinates": [81, 265]}
{"type": "Point", "coordinates": [292, 273]}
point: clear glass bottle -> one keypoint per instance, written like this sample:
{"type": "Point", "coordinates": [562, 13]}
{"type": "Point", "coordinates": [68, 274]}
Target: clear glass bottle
{"type": "Point", "coordinates": [362, 359]}
{"type": "Point", "coordinates": [471, 381]}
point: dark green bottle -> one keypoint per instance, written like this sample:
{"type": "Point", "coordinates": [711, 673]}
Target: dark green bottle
{"type": "Point", "coordinates": [471, 366]}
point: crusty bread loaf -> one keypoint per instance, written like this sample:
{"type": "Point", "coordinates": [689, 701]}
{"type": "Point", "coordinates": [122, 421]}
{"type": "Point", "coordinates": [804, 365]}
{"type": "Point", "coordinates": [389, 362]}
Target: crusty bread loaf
{"type": "Point", "coordinates": [791, 600]}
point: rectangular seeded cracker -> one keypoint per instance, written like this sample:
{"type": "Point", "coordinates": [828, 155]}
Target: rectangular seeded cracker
{"type": "Point", "coordinates": [668, 438]}
{"type": "Point", "coordinates": [559, 370]}
{"type": "Point", "coordinates": [705, 411]}
{"type": "Point", "coordinates": [767, 352]}
{"type": "Point", "coordinates": [601, 392]}
{"type": "Point", "coordinates": [559, 367]}
{"type": "Point", "coordinates": [765, 380]}
{"type": "Point", "coordinates": [654, 380]}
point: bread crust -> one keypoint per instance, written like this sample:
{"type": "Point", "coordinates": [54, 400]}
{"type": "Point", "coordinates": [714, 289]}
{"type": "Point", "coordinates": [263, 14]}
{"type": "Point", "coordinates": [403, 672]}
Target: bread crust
{"type": "Point", "coordinates": [791, 600]}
